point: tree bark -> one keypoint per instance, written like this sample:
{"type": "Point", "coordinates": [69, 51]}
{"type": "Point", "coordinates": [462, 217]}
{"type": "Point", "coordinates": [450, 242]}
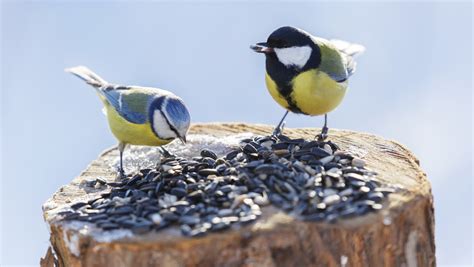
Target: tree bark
{"type": "Point", "coordinates": [402, 234]}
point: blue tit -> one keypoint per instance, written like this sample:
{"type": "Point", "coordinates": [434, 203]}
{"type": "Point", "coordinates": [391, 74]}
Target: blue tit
{"type": "Point", "coordinates": [307, 74]}
{"type": "Point", "coordinates": [139, 115]}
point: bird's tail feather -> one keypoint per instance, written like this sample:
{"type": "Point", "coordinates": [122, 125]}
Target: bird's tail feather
{"type": "Point", "coordinates": [87, 75]}
{"type": "Point", "coordinates": [348, 48]}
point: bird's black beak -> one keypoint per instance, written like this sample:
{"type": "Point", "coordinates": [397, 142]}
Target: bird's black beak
{"type": "Point", "coordinates": [183, 139]}
{"type": "Point", "coordinates": [261, 48]}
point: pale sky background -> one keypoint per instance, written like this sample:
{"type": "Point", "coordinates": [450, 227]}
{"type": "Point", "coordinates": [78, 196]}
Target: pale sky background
{"type": "Point", "coordinates": [413, 84]}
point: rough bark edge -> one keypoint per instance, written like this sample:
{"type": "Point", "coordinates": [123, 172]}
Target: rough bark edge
{"type": "Point", "coordinates": [372, 245]}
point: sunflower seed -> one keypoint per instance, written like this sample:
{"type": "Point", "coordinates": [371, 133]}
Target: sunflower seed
{"type": "Point", "coordinates": [208, 153]}
{"type": "Point", "coordinates": [357, 162]}
{"type": "Point", "coordinates": [313, 180]}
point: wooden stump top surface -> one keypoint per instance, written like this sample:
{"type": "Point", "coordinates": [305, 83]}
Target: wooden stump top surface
{"type": "Point", "coordinates": [396, 166]}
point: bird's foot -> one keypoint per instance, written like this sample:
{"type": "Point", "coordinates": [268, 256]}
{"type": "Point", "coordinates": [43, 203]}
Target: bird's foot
{"type": "Point", "coordinates": [122, 174]}
{"type": "Point", "coordinates": [278, 130]}
{"type": "Point", "coordinates": [166, 153]}
{"type": "Point", "coordinates": [323, 135]}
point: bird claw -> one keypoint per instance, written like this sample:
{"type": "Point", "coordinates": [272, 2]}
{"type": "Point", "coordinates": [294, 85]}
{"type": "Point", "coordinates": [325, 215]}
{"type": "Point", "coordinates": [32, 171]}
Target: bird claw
{"type": "Point", "coordinates": [323, 135]}
{"type": "Point", "coordinates": [122, 174]}
{"type": "Point", "coordinates": [166, 153]}
{"type": "Point", "coordinates": [278, 130]}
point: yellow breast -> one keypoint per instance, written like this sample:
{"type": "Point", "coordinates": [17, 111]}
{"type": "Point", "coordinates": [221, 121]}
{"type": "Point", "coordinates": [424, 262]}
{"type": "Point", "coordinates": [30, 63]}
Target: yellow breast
{"type": "Point", "coordinates": [273, 89]}
{"type": "Point", "coordinates": [131, 133]}
{"type": "Point", "coordinates": [314, 92]}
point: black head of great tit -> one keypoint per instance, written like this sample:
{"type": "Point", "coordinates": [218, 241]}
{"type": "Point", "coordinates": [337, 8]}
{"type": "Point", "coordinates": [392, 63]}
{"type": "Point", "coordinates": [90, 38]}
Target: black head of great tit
{"type": "Point", "coordinates": [291, 48]}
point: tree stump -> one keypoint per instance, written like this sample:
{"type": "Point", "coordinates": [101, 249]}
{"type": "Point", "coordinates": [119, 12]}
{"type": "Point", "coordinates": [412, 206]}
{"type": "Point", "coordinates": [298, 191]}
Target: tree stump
{"type": "Point", "coordinates": [402, 234]}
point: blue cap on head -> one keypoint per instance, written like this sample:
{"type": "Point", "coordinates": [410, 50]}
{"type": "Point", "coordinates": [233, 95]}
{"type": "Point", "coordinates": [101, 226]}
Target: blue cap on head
{"type": "Point", "coordinates": [169, 117]}
{"type": "Point", "coordinates": [177, 113]}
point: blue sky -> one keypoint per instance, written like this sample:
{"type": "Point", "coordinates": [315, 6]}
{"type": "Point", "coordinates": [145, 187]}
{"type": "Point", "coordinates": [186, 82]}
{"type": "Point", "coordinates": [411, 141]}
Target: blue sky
{"type": "Point", "coordinates": [413, 84]}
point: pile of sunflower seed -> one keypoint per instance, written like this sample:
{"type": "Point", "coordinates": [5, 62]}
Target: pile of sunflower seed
{"type": "Point", "coordinates": [312, 180]}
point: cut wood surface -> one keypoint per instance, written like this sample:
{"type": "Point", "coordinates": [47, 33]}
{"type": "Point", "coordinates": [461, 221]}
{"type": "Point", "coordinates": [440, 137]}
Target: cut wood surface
{"type": "Point", "coordinates": [402, 234]}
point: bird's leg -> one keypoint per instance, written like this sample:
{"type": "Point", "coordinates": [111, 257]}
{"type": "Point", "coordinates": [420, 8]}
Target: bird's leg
{"type": "Point", "coordinates": [165, 152]}
{"type": "Point", "coordinates": [279, 128]}
{"type": "Point", "coordinates": [324, 131]}
{"type": "Point", "coordinates": [121, 148]}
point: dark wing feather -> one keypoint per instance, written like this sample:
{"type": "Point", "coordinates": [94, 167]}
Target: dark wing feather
{"type": "Point", "coordinates": [337, 58]}
{"type": "Point", "coordinates": [131, 103]}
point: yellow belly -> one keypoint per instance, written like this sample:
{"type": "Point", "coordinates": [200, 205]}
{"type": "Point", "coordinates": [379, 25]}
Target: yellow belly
{"type": "Point", "coordinates": [131, 133]}
{"type": "Point", "coordinates": [314, 92]}
{"type": "Point", "coordinates": [273, 89]}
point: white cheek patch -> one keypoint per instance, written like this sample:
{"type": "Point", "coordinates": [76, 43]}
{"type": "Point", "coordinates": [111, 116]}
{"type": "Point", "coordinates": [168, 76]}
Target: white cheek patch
{"type": "Point", "coordinates": [161, 127]}
{"type": "Point", "coordinates": [180, 128]}
{"type": "Point", "coordinates": [294, 56]}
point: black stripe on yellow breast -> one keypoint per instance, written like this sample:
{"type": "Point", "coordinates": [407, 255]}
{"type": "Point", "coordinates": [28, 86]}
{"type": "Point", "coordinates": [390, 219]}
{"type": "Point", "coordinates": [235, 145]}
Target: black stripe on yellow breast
{"type": "Point", "coordinates": [283, 76]}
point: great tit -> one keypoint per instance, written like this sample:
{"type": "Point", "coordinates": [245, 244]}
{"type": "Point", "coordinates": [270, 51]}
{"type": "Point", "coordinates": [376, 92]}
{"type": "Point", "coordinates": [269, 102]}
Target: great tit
{"type": "Point", "coordinates": [307, 74]}
{"type": "Point", "coordinates": [139, 115]}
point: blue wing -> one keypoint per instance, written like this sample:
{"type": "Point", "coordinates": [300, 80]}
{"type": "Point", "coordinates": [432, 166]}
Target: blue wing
{"type": "Point", "coordinates": [130, 102]}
